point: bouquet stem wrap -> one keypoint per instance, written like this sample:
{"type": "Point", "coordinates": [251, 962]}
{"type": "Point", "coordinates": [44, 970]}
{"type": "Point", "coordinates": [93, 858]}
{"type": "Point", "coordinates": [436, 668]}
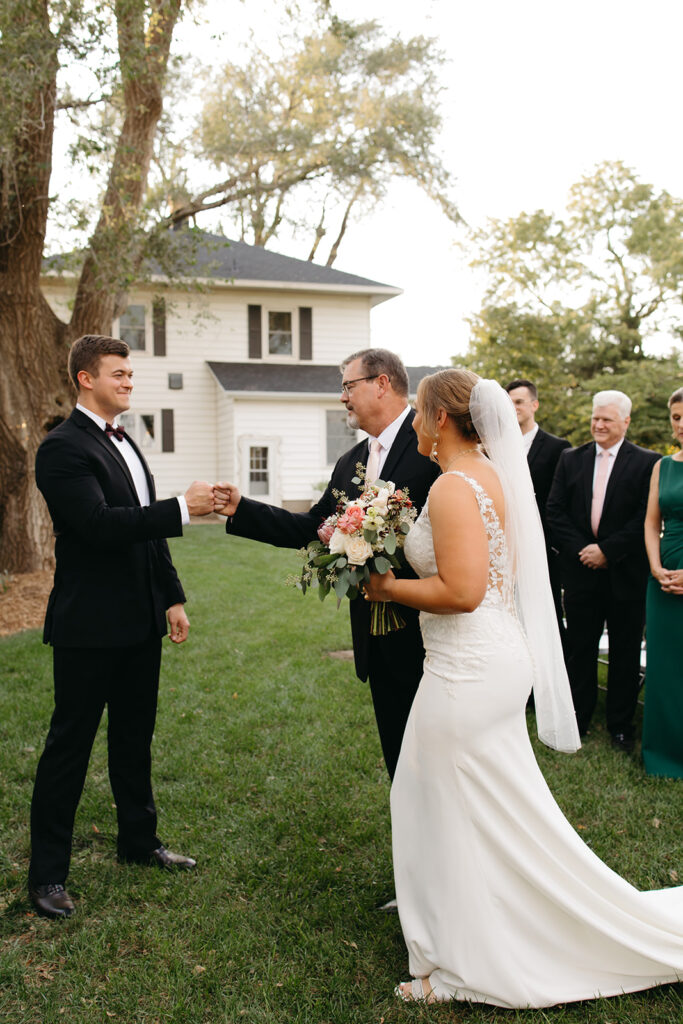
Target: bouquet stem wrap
{"type": "Point", "coordinates": [385, 618]}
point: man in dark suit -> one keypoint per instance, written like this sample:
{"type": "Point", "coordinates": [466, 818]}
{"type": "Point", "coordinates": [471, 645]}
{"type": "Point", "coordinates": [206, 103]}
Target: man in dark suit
{"type": "Point", "coordinates": [375, 392]}
{"type": "Point", "coordinates": [596, 511]}
{"type": "Point", "coordinates": [114, 587]}
{"type": "Point", "coordinates": [543, 451]}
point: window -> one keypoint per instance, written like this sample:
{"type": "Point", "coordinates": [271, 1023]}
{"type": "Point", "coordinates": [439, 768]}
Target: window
{"type": "Point", "coordinates": [279, 334]}
{"type": "Point", "coordinates": [144, 428]}
{"type": "Point", "coordinates": [340, 436]}
{"type": "Point", "coordinates": [132, 328]}
{"type": "Point", "coordinates": [259, 482]}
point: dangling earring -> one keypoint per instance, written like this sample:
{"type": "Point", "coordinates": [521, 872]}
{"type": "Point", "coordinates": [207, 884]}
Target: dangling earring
{"type": "Point", "coordinates": [434, 454]}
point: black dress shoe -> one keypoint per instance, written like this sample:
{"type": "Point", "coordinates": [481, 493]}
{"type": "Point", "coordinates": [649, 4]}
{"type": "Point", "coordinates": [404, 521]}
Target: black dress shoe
{"type": "Point", "coordinates": [51, 900]}
{"type": "Point", "coordinates": [622, 742]}
{"type": "Point", "coordinates": [162, 857]}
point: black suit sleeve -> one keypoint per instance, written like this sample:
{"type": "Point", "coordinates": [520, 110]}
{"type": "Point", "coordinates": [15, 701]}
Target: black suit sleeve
{"type": "Point", "coordinates": [628, 539]}
{"type": "Point", "coordinates": [564, 534]}
{"type": "Point", "coordinates": [272, 525]}
{"type": "Point", "coordinates": [68, 480]}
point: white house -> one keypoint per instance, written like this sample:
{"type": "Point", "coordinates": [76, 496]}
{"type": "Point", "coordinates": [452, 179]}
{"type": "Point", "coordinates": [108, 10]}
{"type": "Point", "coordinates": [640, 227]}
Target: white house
{"type": "Point", "coordinates": [240, 380]}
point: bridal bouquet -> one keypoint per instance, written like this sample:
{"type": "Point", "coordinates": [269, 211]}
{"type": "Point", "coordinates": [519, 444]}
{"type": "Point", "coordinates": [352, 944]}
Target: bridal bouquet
{"type": "Point", "coordinates": [363, 535]}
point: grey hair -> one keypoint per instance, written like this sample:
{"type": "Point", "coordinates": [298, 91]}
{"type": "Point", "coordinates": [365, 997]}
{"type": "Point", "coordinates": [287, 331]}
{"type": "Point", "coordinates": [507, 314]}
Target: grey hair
{"type": "Point", "coordinates": [381, 360]}
{"type": "Point", "coordinates": [618, 398]}
{"type": "Point", "coordinates": [676, 397]}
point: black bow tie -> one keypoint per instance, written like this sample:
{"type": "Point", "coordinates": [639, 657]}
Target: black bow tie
{"type": "Point", "coordinates": [117, 432]}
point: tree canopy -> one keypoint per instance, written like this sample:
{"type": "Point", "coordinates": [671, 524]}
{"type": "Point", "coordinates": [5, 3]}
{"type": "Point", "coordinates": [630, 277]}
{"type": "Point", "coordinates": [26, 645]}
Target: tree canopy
{"type": "Point", "coordinates": [309, 135]}
{"type": "Point", "coordinates": [586, 302]}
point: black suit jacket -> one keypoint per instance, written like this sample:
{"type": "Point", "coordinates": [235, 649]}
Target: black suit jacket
{"type": "Point", "coordinates": [404, 466]}
{"type": "Point", "coordinates": [620, 534]}
{"type": "Point", "coordinates": [543, 456]}
{"type": "Point", "coordinates": [114, 578]}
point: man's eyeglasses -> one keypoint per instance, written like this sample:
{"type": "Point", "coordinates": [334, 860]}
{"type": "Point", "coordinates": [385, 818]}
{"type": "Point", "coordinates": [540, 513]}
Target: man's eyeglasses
{"type": "Point", "coordinates": [348, 385]}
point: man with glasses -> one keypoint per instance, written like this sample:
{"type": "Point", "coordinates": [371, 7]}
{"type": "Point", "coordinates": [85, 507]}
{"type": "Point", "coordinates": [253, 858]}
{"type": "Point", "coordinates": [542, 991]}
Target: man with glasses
{"type": "Point", "coordinates": [374, 389]}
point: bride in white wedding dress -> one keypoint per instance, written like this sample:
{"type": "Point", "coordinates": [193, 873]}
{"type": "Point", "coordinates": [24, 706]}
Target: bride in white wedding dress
{"type": "Point", "coordinates": [500, 901]}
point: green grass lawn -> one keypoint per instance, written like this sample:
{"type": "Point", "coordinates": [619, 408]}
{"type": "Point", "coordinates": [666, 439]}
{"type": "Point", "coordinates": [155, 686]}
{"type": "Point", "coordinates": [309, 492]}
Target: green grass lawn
{"type": "Point", "coordinates": [267, 768]}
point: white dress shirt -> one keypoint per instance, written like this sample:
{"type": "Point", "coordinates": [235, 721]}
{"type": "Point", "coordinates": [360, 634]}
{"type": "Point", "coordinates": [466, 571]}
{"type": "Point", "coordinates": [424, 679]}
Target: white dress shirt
{"type": "Point", "coordinates": [612, 453]}
{"type": "Point", "coordinates": [528, 438]}
{"type": "Point", "coordinates": [387, 438]}
{"type": "Point", "coordinates": [132, 460]}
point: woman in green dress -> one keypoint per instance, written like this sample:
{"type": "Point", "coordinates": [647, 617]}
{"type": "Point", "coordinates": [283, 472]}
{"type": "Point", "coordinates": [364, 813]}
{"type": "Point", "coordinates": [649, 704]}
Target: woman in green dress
{"type": "Point", "coordinates": [663, 719]}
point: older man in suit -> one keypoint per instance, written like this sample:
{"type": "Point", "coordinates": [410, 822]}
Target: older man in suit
{"type": "Point", "coordinates": [374, 389]}
{"type": "Point", "coordinates": [114, 588]}
{"type": "Point", "coordinates": [596, 511]}
{"type": "Point", "coordinates": [543, 451]}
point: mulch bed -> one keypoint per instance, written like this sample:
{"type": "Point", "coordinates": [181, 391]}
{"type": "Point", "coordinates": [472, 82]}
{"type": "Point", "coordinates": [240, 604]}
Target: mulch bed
{"type": "Point", "coordinates": [23, 601]}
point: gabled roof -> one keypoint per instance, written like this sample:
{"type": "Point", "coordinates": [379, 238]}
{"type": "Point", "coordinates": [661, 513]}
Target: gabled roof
{"type": "Point", "coordinates": [220, 257]}
{"type": "Point", "coordinates": [215, 259]}
{"type": "Point", "coordinates": [257, 378]}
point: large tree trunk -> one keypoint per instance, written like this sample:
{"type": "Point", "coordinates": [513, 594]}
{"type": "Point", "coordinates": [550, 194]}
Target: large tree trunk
{"type": "Point", "coordinates": [33, 388]}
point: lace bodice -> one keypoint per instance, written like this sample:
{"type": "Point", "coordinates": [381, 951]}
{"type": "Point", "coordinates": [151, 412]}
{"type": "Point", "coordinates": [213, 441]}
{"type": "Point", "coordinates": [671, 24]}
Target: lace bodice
{"type": "Point", "coordinates": [457, 646]}
{"type": "Point", "coordinates": [419, 547]}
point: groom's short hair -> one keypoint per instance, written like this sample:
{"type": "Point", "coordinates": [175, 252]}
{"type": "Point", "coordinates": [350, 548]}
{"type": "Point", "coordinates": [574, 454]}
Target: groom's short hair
{"type": "Point", "coordinates": [381, 360]}
{"type": "Point", "coordinates": [86, 352]}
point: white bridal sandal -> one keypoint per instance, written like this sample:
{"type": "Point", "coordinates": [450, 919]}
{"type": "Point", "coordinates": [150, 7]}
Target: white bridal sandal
{"type": "Point", "coordinates": [419, 990]}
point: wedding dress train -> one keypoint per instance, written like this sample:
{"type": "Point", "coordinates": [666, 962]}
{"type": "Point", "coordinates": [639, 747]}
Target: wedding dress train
{"type": "Point", "coordinates": [499, 899]}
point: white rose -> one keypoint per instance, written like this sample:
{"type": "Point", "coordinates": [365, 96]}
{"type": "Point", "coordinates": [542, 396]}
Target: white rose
{"type": "Point", "coordinates": [337, 543]}
{"type": "Point", "coordinates": [358, 550]}
{"type": "Point", "coordinates": [381, 501]}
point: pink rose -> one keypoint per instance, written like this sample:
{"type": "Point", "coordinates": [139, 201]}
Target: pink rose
{"type": "Point", "coordinates": [351, 520]}
{"type": "Point", "coordinates": [326, 529]}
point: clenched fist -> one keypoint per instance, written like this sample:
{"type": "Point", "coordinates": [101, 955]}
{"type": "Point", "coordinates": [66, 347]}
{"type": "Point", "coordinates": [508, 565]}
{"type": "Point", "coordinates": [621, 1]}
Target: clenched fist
{"type": "Point", "coordinates": [199, 498]}
{"type": "Point", "coordinates": [226, 499]}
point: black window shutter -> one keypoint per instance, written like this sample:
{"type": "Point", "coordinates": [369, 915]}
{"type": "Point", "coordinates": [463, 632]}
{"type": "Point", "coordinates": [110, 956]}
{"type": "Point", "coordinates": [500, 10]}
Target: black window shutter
{"type": "Point", "coordinates": [167, 431]}
{"type": "Point", "coordinates": [305, 332]}
{"type": "Point", "coordinates": [254, 332]}
{"type": "Point", "coordinates": [159, 326]}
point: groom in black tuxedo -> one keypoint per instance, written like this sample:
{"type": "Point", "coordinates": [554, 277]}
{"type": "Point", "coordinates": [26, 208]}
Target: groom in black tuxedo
{"type": "Point", "coordinates": [375, 390]}
{"type": "Point", "coordinates": [114, 588]}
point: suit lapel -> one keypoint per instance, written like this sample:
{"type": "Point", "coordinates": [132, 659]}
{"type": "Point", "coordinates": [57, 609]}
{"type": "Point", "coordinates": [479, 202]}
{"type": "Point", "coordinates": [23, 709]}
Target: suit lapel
{"type": "Point", "coordinates": [99, 436]}
{"type": "Point", "coordinates": [401, 442]}
{"type": "Point", "coordinates": [536, 446]}
{"type": "Point", "coordinates": [143, 461]}
{"type": "Point", "coordinates": [618, 470]}
{"type": "Point", "coordinates": [588, 470]}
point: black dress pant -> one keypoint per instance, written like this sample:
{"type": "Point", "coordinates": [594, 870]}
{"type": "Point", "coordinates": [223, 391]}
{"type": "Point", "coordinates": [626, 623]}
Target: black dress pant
{"type": "Point", "coordinates": [126, 679]}
{"type": "Point", "coordinates": [587, 614]}
{"type": "Point", "coordinates": [395, 666]}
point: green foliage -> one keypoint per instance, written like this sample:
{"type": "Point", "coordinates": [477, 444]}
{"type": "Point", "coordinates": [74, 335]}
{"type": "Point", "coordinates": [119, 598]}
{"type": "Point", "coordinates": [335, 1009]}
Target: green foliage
{"type": "Point", "coordinates": [340, 111]}
{"type": "Point", "coordinates": [267, 768]}
{"type": "Point", "coordinates": [573, 302]}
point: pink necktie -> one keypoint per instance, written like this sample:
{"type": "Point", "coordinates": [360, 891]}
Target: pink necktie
{"type": "Point", "coordinates": [599, 491]}
{"type": "Point", "coordinates": [372, 468]}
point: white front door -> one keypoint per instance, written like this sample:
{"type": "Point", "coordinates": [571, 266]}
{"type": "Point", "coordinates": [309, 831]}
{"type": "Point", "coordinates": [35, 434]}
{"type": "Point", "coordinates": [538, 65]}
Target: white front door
{"type": "Point", "coordinates": [259, 469]}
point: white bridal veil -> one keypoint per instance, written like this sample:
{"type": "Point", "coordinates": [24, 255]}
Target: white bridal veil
{"type": "Point", "coordinates": [495, 421]}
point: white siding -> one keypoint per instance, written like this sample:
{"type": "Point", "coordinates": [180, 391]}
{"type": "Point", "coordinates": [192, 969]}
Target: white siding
{"type": "Point", "coordinates": [208, 423]}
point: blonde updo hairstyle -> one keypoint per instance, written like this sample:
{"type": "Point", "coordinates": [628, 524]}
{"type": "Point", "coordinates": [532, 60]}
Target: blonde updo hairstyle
{"type": "Point", "coordinates": [449, 390]}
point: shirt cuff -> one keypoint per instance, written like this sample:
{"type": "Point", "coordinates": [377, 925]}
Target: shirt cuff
{"type": "Point", "coordinates": [184, 514]}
